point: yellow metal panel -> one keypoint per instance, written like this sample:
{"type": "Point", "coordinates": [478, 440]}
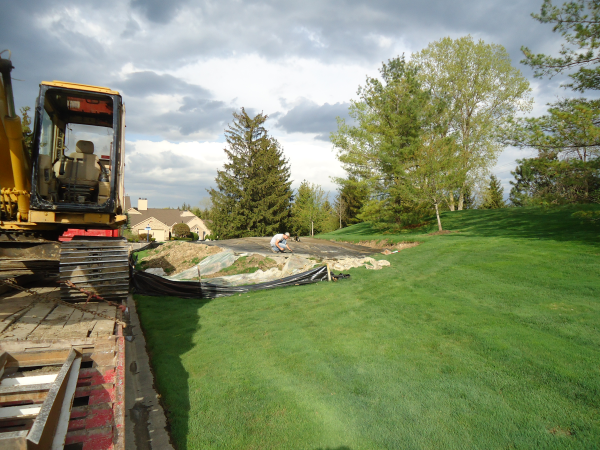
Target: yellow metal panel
{"type": "Point", "coordinates": [81, 87]}
{"type": "Point", "coordinates": [120, 219]}
{"type": "Point", "coordinates": [96, 218]}
{"type": "Point", "coordinates": [42, 216]}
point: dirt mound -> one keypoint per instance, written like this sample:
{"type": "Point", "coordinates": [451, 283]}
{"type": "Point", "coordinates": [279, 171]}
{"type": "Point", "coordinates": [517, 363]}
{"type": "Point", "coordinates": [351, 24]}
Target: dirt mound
{"type": "Point", "coordinates": [385, 244]}
{"type": "Point", "coordinates": [246, 264]}
{"type": "Point", "coordinates": [177, 256]}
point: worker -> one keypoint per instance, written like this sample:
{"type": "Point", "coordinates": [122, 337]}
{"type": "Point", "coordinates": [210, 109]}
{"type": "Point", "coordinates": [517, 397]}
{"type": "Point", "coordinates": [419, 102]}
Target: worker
{"type": "Point", "coordinates": [280, 240]}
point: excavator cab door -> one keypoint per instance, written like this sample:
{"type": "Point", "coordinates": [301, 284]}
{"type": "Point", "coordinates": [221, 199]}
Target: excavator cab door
{"type": "Point", "coordinates": [77, 152]}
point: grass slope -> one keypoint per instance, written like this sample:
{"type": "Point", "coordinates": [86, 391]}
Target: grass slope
{"type": "Point", "coordinates": [486, 338]}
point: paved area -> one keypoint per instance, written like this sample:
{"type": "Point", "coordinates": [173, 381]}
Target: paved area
{"type": "Point", "coordinates": [145, 426]}
{"type": "Point", "coordinates": [307, 247]}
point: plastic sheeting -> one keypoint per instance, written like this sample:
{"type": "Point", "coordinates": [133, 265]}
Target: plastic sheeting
{"type": "Point", "coordinates": [148, 284]}
{"type": "Point", "coordinates": [209, 265]}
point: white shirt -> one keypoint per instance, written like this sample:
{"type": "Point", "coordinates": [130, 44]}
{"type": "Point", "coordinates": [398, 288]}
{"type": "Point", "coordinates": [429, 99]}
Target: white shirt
{"type": "Point", "coordinates": [278, 238]}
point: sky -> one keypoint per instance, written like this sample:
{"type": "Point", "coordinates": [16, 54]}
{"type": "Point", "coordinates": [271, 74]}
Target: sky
{"type": "Point", "coordinates": [184, 66]}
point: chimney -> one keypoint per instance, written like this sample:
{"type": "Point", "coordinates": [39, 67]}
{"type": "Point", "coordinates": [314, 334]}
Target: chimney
{"type": "Point", "coordinates": [142, 204]}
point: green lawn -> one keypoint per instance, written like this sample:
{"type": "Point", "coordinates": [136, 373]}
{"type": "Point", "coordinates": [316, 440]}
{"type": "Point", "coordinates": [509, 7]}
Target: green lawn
{"type": "Point", "coordinates": [485, 338]}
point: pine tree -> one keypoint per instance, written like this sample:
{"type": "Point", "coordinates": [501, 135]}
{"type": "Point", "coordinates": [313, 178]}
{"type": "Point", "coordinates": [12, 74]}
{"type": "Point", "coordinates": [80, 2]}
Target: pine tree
{"type": "Point", "coordinates": [253, 191]}
{"type": "Point", "coordinates": [494, 196]}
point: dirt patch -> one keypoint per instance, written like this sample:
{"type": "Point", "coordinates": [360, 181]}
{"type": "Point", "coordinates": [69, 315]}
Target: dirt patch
{"type": "Point", "coordinates": [385, 244]}
{"type": "Point", "coordinates": [177, 256]}
{"type": "Point", "coordinates": [246, 264]}
{"type": "Point", "coordinates": [559, 431]}
{"type": "Point", "coordinates": [436, 233]}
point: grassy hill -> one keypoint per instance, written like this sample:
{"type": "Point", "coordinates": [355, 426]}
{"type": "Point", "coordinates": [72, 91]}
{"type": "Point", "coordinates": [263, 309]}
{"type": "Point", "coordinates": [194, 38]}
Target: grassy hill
{"type": "Point", "coordinates": [486, 337]}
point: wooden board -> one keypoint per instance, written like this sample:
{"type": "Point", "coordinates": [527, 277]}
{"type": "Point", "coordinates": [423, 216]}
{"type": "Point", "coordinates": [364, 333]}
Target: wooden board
{"type": "Point", "coordinates": [105, 327]}
{"type": "Point", "coordinates": [28, 322]}
{"type": "Point", "coordinates": [54, 323]}
{"type": "Point", "coordinates": [80, 323]}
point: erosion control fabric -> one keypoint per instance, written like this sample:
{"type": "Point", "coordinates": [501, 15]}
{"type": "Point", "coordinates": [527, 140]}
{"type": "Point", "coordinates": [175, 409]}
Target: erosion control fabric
{"type": "Point", "coordinates": [149, 284]}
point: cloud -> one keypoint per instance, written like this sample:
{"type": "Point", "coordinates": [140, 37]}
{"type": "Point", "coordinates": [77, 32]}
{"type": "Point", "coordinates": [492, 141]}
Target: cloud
{"type": "Point", "coordinates": [147, 82]}
{"type": "Point", "coordinates": [158, 11]}
{"type": "Point", "coordinates": [183, 66]}
{"type": "Point", "coordinates": [309, 117]}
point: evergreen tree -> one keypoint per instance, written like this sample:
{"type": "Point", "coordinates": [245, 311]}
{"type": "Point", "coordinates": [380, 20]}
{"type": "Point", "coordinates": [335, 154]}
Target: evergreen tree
{"type": "Point", "coordinates": [494, 196]}
{"type": "Point", "coordinates": [253, 191]}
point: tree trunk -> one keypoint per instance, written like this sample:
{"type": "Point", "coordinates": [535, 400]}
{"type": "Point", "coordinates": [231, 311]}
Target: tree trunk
{"type": "Point", "coordinates": [451, 202]}
{"type": "Point", "coordinates": [461, 200]}
{"type": "Point", "coordinates": [312, 229]}
{"type": "Point", "coordinates": [437, 213]}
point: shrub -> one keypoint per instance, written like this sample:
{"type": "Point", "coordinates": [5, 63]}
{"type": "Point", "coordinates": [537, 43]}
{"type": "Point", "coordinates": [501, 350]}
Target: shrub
{"type": "Point", "coordinates": [194, 236]}
{"type": "Point", "coordinates": [181, 230]}
{"type": "Point", "coordinates": [143, 236]}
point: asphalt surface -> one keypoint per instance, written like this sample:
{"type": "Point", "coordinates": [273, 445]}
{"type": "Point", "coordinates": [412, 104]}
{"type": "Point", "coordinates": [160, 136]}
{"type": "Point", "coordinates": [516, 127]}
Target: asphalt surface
{"type": "Point", "coordinates": [306, 247]}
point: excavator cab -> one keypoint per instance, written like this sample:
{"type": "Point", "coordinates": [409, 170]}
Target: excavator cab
{"type": "Point", "coordinates": [77, 156]}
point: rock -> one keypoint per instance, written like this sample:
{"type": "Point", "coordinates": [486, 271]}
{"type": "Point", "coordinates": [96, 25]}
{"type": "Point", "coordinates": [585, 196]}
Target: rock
{"type": "Point", "coordinates": [296, 264]}
{"type": "Point", "coordinates": [156, 271]}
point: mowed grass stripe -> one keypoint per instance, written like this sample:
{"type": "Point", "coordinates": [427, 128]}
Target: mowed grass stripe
{"type": "Point", "coordinates": [470, 340]}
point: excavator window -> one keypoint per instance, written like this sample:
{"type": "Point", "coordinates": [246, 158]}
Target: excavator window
{"type": "Point", "coordinates": [75, 147]}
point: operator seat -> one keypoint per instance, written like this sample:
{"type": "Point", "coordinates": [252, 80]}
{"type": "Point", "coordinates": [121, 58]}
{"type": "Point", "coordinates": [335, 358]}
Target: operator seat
{"type": "Point", "coordinates": [79, 181]}
{"type": "Point", "coordinates": [82, 167]}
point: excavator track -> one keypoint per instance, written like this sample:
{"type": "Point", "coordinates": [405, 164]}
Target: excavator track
{"type": "Point", "coordinates": [99, 266]}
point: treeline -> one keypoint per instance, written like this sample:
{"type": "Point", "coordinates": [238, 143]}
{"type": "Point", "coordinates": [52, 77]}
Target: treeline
{"type": "Point", "coordinates": [423, 137]}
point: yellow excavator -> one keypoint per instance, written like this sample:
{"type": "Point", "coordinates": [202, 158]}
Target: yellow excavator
{"type": "Point", "coordinates": [62, 199]}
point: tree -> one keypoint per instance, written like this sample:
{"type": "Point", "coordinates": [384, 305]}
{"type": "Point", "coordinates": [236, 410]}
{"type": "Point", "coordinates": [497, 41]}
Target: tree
{"type": "Point", "coordinates": [433, 172]}
{"type": "Point", "coordinates": [308, 210]}
{"type": "Point", "coordinates": [482, 91]}
{"type": "Point", "coordinates": [181, 230]}
{"type": "Point", "coordinates": [579, 24]}
{"type": "Point", "coordinates": [26, 128]}
{"type": "Point", "coordinates": [494, 195]}
{"type": "Point", "coordinates": [340, 208]}
{"type": "Point", "coordinates": [389, 117]}
{"type": "Point", "coordinates": [567, 139]}
{"type": "Point", "coordinates": [253, 191]}
{"type": "Point", "coordinates": [353, 195]}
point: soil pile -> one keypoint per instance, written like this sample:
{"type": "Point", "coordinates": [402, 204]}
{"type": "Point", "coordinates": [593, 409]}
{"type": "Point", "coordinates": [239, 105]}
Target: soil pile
{"type": "Point", "coordinates": [177, 256]}
{"type": "Point", "coordinates": [246, 264]}
{"type": "Point", "coordinates": [385, 244]}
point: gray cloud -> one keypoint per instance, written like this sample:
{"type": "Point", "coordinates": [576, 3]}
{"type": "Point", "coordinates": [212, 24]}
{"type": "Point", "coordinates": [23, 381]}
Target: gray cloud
{"type": "Point", "coordinates": [143, 84]}
{"type": "Point", "coordinates": [158, 11]}
{"type": "Point", "coordinates": [185, 180]}
{"type": "Point", "coordinates": [308, 117]}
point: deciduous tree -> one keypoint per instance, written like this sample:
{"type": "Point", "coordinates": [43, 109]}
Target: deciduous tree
{"type": "Point", "coordinates": [482, 91]}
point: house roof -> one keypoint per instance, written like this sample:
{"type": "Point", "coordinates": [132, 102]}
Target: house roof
{"type": "Point", "coordinates": [167, 216]}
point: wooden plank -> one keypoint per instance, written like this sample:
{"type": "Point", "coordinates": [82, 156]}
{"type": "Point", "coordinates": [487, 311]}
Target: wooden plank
{"type": "Point", "coordinates": [8, 307]}
{"type": "Point", "coordinates": [62, 427]}
{"type": "Point", "coordinates": [19, 412]}
{"type": "Point", "coordinates": [28, 322]}
{"type": "Point", "coordinates": [37, 358]}
{"type": "Point", "coordinates": [3, 360]}
{"type": "Point", "coordinates": [25, 381]}
{"type": "Point", "coordinates": [41, 433]}
{"type": "Point", "coordinates": [14, 440]}
{"type": "Point", "coordinates": [35, 393]}
{"type": "Point", "coordinates": [79, 324]}
{"type": "Point", "coordinates": [105, 327]}
{"type": "Point", "coordinates": [52, 326]}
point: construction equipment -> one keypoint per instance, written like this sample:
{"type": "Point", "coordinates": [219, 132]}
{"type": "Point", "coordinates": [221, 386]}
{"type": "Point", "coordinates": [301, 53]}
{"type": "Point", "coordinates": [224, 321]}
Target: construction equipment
{"type": "Point", "coordinates": [70, 182]}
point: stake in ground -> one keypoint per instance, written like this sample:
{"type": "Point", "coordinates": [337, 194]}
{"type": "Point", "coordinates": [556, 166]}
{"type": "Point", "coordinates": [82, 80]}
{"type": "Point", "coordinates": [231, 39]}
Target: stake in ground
{"type": "Point", "coordinates": [483, 338]}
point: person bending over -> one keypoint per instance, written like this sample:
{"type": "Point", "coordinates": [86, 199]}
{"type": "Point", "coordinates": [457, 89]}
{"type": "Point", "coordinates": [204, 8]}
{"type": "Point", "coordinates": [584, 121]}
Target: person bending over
{"type": "Point", "coordinates": [279, 241]}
